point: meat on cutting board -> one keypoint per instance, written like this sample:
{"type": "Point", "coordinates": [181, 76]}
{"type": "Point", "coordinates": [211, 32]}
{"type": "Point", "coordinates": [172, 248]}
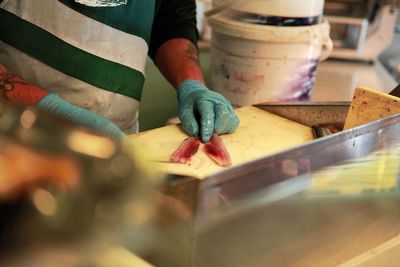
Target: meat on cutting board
{"type": "Point", "coordinates": [186, 150]}
{"type": "Point", "coordinates": [216, 150]}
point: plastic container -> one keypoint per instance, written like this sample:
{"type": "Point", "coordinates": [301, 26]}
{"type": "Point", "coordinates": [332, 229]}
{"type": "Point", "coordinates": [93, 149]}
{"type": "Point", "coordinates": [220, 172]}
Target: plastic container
{"type": "Point", "coordinates": [253, 64]}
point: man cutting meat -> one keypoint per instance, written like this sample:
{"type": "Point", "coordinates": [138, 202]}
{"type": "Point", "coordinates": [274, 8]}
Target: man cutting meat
{"type": "Point", "coordinates": [84, 60]}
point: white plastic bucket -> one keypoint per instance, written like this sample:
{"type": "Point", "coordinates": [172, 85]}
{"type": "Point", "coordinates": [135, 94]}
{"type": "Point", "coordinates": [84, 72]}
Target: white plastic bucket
{"type": "Point", "coordinates": [281, 8]}
{"type": "Point", "coordinates": [253, 64]}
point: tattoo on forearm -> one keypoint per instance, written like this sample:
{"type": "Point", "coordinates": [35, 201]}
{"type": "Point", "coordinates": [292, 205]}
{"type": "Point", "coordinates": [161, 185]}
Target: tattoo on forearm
{"type": "Point", "coordinates": [6, 84]}
{"type": "Point", "coordinates": [192, 53]}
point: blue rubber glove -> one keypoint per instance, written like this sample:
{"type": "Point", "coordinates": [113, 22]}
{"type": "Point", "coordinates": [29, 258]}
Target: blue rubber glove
{"type": "Point", "coordinates": [215, 112]}
{"type": "Point", "coordinates": [54, 104]}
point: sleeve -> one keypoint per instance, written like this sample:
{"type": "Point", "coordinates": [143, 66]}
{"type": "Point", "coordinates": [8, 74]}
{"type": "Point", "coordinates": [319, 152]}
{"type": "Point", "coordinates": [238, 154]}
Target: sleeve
{"type": "Point", "coordinates": [173, 19]}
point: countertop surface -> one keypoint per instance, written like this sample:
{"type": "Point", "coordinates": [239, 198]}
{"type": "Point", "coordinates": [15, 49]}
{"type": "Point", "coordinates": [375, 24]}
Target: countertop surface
{"type": "Point", "coordinates": [337, 80]}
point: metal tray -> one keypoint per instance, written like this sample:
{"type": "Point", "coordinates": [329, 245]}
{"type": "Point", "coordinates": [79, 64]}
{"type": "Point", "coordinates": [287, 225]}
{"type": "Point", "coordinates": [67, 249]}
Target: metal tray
{"type": "Point", "coordinates": [211, 203]}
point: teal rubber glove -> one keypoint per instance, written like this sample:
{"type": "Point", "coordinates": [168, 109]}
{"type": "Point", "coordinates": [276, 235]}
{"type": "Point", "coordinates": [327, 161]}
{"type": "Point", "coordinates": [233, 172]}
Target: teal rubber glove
{"type": "Point", "coordinates": [54, 104]}
{"type": "Point", "coordinates": [214, 112]}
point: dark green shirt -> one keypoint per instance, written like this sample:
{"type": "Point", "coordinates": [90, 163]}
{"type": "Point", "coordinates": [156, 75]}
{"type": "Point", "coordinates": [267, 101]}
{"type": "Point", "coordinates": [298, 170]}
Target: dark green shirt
{"type": "Point", "coordinates": [173, 19]}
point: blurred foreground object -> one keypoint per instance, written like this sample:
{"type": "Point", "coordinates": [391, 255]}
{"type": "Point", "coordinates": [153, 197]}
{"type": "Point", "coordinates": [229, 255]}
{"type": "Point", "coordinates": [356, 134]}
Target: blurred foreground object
{"type": "Point", "coordinates": [64, 190]}
{"type": "Point", "coordinates": [21, 168]}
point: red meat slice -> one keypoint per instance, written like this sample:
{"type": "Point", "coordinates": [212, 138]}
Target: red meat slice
{"type": "Point", "coordinates": [216, 150]}
{"type": "Point", "coordinates": [186, 150]}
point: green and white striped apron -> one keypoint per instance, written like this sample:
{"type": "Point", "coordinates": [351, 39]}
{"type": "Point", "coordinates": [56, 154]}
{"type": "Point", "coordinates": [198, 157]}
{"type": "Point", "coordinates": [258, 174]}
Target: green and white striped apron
{"type": "Point", "coordinates": [93, 57]}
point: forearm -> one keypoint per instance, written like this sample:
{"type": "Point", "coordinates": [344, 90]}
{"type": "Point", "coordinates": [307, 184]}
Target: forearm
{"type": "Point", "coordinates": [17, 91]}
{"type": "Point", "coordinates": [178, 60]}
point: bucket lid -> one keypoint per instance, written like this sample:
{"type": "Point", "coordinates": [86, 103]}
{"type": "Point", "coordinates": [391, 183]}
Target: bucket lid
{"type": "Point", "coordinates": [281, 8]}
{"type": "Point", "coordinates": [226, 24]}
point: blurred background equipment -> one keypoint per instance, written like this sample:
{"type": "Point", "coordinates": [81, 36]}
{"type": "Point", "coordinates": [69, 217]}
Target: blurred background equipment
{"type": "Point", "coordinates": [361, 29]}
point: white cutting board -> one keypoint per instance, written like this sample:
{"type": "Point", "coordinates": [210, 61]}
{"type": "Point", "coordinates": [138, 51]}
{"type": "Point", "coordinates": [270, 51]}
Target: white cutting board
{"type": "Point", "coordinates": [260, 133]}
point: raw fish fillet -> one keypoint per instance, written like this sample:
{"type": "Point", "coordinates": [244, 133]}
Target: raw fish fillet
{"type": "Point", "coordinates": [186, 150]}
{"type": "Point", "coordinates": [216, 150]}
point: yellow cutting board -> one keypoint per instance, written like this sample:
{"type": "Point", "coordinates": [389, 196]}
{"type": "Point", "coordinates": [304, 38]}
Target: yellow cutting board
{"type": "Point", "coordinates": [369, 105]}
{"type": "Point", "coordinates": [260, 133]}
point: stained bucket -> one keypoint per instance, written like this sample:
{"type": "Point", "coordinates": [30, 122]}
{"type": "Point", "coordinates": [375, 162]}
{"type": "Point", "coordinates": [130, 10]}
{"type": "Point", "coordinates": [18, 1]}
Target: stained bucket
{"type": "Point", "coordinates": [253, 63]}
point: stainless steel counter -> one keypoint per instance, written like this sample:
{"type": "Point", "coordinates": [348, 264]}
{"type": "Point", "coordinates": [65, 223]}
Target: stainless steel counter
{"type": "Point", "coordinates": [293, 208]}
{"type": "Point", "coordinates": [336, 80]}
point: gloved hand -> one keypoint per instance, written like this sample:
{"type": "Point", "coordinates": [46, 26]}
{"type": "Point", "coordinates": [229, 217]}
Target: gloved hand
{"type": "Point", "coordinates": [214, 112]}
{"type": "Point", "coordinates": [53, 103]}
